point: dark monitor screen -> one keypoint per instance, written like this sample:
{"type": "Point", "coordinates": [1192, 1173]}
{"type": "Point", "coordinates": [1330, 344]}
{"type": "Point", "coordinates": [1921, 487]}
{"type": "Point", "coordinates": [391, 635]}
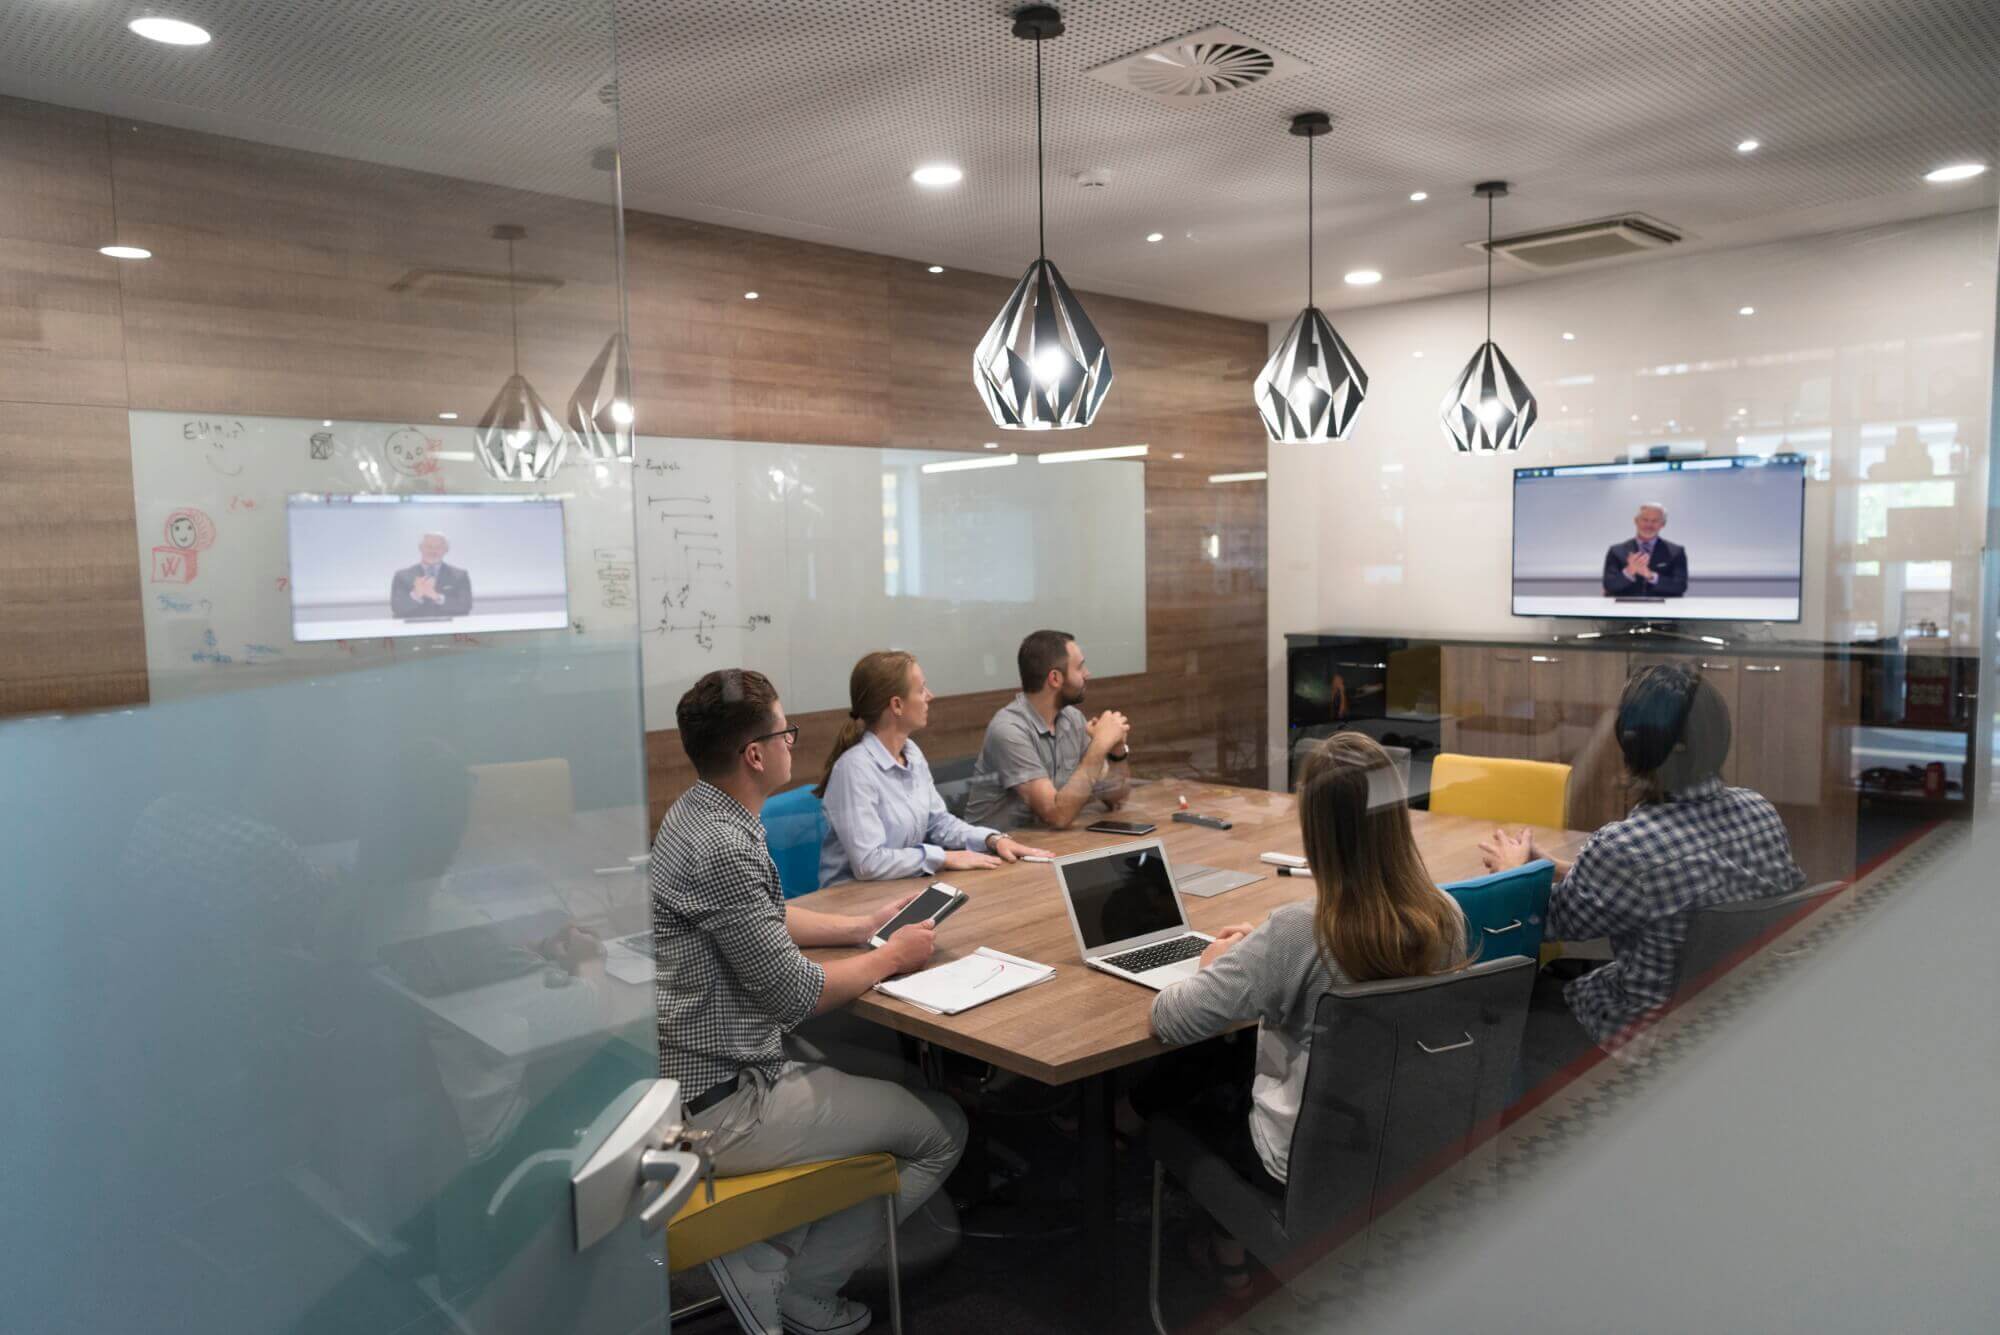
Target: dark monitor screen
{"type": "Point", "coordinates": [1122, 895]}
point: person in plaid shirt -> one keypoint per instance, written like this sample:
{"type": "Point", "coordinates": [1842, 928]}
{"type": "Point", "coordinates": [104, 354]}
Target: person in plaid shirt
{"type": "Point", "coordinates": [1690, 842]}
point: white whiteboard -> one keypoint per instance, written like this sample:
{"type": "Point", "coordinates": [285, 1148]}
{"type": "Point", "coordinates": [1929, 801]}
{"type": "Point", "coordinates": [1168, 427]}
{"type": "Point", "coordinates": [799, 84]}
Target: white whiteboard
{"type": "Point", "coordinates": [791, 559]}
{"type": "Point", "coordinates": [798, 559]}
{"type": "Point", "coordinates": [215, 584]}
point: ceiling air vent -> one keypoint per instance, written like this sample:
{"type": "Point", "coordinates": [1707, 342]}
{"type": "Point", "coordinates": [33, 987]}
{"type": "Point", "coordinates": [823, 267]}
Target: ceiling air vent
{"type": "Point", "coordinates": [1199, 67]}
{"type": "Point", "coordinates": [1582, 243]}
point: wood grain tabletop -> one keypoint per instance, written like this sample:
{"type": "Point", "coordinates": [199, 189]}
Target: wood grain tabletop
{"type": "Point", "coordinates": [1083, 1022]}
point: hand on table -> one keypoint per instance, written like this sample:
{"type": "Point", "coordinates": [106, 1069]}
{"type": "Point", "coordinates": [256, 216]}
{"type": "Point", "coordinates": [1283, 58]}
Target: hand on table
{"type": "Point", "coordinates": [966, 859]}
{"type": "Point", "coordinates": [1012, 850]}
{"type": "Point", "coordinates": [1504, 851]}
{"type": "Point", "coordinates": [1224, 939]}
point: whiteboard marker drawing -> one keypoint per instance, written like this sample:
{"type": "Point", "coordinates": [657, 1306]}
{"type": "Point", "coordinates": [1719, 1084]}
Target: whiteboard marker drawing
{"type": "Point", "coordinates": [189, 534]}
{"type": "Point", "coordinates": [319, 445]}
{"type": "Point", "coordinates": [410, 452]}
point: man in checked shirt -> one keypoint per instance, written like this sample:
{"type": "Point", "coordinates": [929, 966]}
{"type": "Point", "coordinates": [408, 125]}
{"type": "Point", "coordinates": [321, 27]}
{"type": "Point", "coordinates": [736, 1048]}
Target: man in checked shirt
{"type": "Point", "coordinates": [1688, 843]}
{"type": "Point", "coordinates": [730, 985]}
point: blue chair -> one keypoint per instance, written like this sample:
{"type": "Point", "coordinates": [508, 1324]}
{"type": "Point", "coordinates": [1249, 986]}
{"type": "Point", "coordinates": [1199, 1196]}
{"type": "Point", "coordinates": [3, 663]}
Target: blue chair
{"type": "Point", "coordinates": [794, 826]}
{"type": "Point", "coordinates": [1505, 912]}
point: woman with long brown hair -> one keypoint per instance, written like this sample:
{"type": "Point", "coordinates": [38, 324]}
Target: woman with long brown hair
{"type": "Point", "coordinates": [1377, 914]}
{"type": "Point", "coordinates": [885, 817]}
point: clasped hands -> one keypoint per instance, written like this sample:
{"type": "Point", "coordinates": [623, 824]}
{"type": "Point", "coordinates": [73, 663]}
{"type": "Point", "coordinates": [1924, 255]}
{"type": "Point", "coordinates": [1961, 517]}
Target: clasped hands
{"type": "Point", "coordinates": [1639, 565]}
{"type": "Point", "coordinates": [426, 589]}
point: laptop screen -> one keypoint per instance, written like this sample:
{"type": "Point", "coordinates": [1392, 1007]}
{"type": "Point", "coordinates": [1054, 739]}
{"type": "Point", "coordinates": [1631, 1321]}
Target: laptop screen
{"type": "Point", "coordinates": [1122, 895]}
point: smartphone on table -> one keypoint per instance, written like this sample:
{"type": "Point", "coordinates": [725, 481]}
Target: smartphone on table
{"type": "Point", "coordinates": [937, 902]}
{"type": "Point", "coordinates": [1132, 827]}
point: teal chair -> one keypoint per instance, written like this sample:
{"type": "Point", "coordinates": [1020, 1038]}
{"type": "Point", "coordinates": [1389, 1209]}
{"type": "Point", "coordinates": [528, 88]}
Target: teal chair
{"type": "Point", "coordinates": [794, 826]}
{"type": "Point", "coordinates": [1505, 912]}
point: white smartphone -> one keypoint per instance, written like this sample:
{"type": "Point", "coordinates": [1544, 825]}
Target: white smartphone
{"type": "Point", "coordinates": [938, 902]}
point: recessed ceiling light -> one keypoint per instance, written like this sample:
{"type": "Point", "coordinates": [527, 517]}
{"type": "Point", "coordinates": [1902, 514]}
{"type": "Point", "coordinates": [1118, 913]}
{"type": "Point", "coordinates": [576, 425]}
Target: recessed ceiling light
{"type": "Point", "coordinates": [171, 31]}
{"type": "Point", "coordinates": [326, 421]}
{"type": "Point", "coordinates": [1179, 455]}
{"type": "Point", "coordinates": [1363, 277]}
{"type": "Point", "coordinates": [1568, 337]}
{"type": "Point", "coordinates": [749, 296]}
{"type": "Point", "coordinates": [1418, 353]}
{"type": "Point", "coordinates": [1419, 196]}
{"type": "Point", "coordinates": [447, 417]}
{"type": "Point", "coordinates": [1957, 171]}
{"type": "Point", "coordinates": [992, 444]}
{"type": "Point", "coordinates": [937, 175]}
{"type": "Point", "coordinates": [1156, 236]}
{"type": "Point", "coordinates": [1748, 146]}
{"type": "Point", "coordinates": [126, 252]}
{"type": "Point", "coordinates": [937, 268]}
{"type": "Point", "coordinates": [1746, 310]}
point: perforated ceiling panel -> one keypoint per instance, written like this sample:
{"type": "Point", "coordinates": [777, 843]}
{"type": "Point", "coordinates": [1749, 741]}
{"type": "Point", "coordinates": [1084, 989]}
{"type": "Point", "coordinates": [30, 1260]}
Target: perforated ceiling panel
{"type": "Point", "coordinates": [805, 117]}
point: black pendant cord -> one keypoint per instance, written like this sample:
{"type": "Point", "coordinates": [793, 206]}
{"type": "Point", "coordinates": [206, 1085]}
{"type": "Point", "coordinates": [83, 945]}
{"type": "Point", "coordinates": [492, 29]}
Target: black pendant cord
{"type": "Point", "coordinates": [1309, 220]}
{"type": "Point", "coordinates": [1489, 269]}
{"type": "Point", "coordinates": [1041, 211]}
{"type": "Point", "coordinates": [513, 308]}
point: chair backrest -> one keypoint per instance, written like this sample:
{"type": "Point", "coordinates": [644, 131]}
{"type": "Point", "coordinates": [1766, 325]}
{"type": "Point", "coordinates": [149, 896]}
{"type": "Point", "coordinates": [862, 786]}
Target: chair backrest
{"type": "Point", "coordinates": [794, 826]}
{"type": "Point", "coordinates": [953, 780]}
{"type": "Point", "coordinates": [1522, 792]}
{"type": "Point", "coordinates": [1403, 1074]}
{"type": "Point", "coordinates": [1720, 932]}
{"type": "Point", "coordinates": [1504, 912]}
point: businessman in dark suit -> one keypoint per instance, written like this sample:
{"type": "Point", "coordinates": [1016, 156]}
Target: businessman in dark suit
{"type": "Point", "coordinates": [430, 588]}
{"type": "Point", "coordinates": [1646, 565]}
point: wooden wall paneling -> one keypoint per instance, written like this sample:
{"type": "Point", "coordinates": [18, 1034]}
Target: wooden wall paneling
{"type": "Point", "coordinates": [300, 284]}
{"type": "Point", "coordinates": [61, 336]}
{"type": "Point", "coordinates": [69, 573]}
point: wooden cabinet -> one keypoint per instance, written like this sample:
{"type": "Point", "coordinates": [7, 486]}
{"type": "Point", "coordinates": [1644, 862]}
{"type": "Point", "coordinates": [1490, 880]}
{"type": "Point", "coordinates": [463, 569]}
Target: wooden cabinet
{"type": "Point", "coordinates": [1528, 703]}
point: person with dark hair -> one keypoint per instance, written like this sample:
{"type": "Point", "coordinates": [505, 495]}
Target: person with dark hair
{"type": "Point", "coordinates": [1042, 759]}
{"type": "Point", "coordinates": [884, 816]}
{"type": "Point", "coordinates": [732, 983]}
{"type": "Point", "coordinates": [1688, 842]}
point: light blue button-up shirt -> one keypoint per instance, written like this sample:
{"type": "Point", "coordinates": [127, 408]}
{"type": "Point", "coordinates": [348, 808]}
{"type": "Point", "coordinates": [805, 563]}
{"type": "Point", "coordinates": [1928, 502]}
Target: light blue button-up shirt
{"type": "Point", "coordinates": [886, 819]}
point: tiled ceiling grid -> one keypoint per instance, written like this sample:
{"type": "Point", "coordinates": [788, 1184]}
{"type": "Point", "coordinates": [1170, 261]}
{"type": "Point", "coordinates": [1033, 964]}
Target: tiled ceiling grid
{"type": "Point", "coordinates": [804, 118]}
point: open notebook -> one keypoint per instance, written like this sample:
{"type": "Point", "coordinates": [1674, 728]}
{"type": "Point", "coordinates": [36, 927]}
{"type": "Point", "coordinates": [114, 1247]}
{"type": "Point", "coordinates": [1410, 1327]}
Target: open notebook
{"type": "Point", "coordinates": [964, 983]}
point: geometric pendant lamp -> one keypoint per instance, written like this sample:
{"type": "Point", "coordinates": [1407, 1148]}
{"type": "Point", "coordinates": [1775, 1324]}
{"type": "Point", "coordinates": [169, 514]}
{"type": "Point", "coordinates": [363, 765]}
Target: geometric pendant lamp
{"type": "Point", "coordinates": [1041, 365]}
{"type": "Point", "coordinates": [519, 439]}
{"type": "Point", "coordinates": [1490, 408]}
{"type": "Point", "coordinates": [1312, 387]}
{"type": "Point", "coordinates": [600, 410]}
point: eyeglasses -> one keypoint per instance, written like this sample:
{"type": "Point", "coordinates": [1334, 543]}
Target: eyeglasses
{"type": "Point", "coordinates": [791, 736]}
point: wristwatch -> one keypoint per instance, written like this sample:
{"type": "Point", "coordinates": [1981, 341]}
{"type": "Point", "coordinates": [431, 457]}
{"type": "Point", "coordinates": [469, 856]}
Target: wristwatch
{"type": "Point", "coordinates": [1124, 755]}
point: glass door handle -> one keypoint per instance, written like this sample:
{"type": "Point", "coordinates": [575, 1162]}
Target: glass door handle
{"type": "Point", "coordinates": [679, 1172]}
{"type": "Point", "coordinates": [620, 1158]}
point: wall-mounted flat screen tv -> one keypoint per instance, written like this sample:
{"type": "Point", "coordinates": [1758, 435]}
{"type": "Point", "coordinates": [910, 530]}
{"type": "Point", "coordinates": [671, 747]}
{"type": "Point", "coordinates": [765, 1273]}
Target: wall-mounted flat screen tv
{"type": "Point", "coordinates": [368, 566]}
{"type": "Point", "coordinates": [1674, 540]}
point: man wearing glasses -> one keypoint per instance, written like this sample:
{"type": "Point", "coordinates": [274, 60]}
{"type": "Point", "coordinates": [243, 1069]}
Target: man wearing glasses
{"type": "Point", "coordinates": [732, 982]}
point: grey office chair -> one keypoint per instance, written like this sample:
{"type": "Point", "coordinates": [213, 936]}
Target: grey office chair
{"type": "Point", "coordinates": [953, 779]}
{"type": "Point", "coordinates": [1404, 1073]}
{"type": "Point", "coordinates": [1720, 933]}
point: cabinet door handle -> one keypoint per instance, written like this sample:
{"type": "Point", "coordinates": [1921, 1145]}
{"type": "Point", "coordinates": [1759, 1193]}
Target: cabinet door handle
{"type": "Point", "coordinates": [1762, 667]}
{"type": "Point", "coordinates": [1506, 658]}
{"type": "Point", "coordinates": [1717, 667]}
{"type": "Point", "coordinates": [1544, 658]}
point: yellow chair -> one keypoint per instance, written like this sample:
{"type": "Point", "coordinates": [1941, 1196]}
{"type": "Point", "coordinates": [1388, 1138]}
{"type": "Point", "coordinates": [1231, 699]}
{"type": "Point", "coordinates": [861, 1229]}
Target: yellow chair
{"type": "Point", "coordinates": [756, 1206]}
{"type": "Point", "coordinates": [1506, 792]}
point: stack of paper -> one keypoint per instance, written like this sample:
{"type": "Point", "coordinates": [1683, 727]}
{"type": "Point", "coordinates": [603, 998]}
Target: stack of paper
{"type": "Point", "coordinates": [964, 983]}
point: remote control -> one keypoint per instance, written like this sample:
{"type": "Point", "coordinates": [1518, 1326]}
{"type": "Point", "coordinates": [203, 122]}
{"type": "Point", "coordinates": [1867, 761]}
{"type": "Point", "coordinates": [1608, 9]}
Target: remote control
{"type": "Point", "coordinates": [1212, 822]}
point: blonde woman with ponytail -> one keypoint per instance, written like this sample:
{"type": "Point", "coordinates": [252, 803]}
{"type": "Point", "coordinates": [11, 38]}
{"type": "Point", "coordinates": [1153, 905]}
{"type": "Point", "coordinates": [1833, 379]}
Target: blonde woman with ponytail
{"type": "Point", "coordinates": [1377, 914]}
{"type": "Point", "coordinates": [885, 818]}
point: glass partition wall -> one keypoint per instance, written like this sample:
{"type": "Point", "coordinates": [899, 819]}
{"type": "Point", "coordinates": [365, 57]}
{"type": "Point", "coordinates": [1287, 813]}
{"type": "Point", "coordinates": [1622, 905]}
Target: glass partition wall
{"type": "Point", "coordinates": [316, 862]}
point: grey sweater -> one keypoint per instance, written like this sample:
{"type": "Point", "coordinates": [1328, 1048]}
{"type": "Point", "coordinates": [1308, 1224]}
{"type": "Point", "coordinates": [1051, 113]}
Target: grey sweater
{"type": "Point", "coordinates": [1276, 977]}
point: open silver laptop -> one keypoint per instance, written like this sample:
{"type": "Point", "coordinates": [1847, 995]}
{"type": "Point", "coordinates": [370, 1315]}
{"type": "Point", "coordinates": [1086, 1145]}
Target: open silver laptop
{"type": "Point", "coordinates": [1127, 915]}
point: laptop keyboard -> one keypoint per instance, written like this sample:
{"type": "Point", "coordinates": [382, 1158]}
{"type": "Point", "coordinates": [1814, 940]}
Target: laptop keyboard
{"type": "Point", "coordinates": [1154, 957]}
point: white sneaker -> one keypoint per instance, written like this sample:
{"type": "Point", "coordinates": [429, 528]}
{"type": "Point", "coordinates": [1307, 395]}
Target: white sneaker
{"type": "Point", "coordinates": [810, 1314]}
{"type": "Point", "coordinates": [749, 1280]}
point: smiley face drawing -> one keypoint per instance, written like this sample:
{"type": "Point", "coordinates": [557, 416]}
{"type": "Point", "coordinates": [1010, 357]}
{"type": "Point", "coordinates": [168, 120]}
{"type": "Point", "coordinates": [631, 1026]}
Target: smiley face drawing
{"type": "Point", "coordinates": [408, 451]}
{"type": "Point", "coordinates": [189, 533]}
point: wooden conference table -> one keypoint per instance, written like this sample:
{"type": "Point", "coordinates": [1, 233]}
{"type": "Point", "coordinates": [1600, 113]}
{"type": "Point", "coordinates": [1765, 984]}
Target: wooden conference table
{"type": "Point", "coordinates": [1083, 1024]}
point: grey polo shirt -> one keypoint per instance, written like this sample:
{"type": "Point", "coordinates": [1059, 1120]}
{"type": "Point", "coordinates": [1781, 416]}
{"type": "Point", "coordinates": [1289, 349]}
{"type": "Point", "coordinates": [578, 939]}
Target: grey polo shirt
{"type": "Point", "coordinates": [1019, 749]}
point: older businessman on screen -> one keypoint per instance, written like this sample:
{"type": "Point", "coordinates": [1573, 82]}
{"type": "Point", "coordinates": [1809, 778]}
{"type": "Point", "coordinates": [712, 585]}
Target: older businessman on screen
{"type": "Point", "coordinates": [431, 588]}
{"type": "Point", "coordinates": [1646, 565]}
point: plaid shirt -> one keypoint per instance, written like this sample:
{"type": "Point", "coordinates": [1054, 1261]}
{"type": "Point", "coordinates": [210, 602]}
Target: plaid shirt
{"type": "Point", "coordinates": [728, 980]}
{"type": "Point", "coordinates": [1637, 880]}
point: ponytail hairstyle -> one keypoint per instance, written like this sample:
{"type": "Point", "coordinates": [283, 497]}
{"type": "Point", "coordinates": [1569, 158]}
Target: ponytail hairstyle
{"type": "Point", "coordinates": [876, 680]}
{"type": "Point", "coordinates": [1379, 914]}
